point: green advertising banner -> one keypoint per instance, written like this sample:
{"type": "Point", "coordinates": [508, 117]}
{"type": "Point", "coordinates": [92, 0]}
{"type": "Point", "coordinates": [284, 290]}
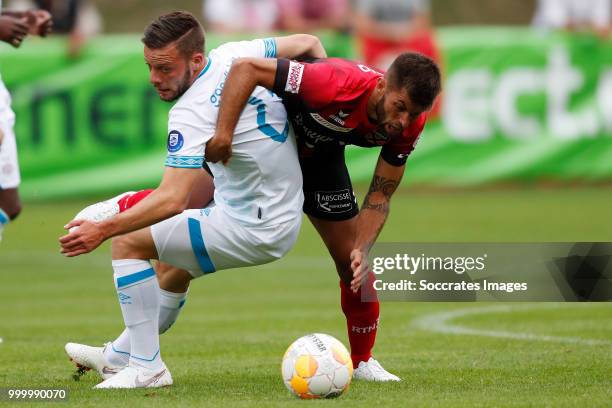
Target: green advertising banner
{"type": "Point", "coordinates": [517, 106]}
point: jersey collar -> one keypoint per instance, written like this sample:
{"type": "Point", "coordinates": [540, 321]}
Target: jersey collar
{"type": "Point", "coordinates": [205, 68]}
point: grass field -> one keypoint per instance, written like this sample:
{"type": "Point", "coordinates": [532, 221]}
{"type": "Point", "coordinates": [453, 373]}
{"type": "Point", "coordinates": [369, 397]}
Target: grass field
{"type": "Point", "coordinates": [225, 350]}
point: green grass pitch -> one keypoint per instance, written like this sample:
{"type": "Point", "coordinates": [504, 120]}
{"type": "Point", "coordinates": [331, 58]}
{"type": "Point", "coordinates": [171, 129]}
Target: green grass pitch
{"type": "Point", "coordinates": [225, 350]}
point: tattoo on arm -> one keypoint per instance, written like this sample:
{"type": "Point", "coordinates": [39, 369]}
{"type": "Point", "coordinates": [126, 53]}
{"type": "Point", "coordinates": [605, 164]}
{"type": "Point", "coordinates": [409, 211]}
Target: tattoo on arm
{"type": "Point", "coordinates": [386, 187]}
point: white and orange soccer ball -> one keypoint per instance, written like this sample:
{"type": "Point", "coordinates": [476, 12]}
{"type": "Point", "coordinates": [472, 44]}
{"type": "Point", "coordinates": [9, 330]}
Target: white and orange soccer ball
{"type": "Point", "coordinates": [317, 366]}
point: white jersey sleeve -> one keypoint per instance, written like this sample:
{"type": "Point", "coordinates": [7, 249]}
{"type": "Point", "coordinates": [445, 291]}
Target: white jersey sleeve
{"type": "Point", "coordinates": [188, 133]}
{"type": "Point", "coordinates": [260, 48]}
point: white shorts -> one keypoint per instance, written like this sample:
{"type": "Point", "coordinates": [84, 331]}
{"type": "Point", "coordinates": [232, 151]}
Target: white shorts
{"type": "Point", "coordinates": [207, 240]}
{"type": "Point", "coordinates": [9, 166]}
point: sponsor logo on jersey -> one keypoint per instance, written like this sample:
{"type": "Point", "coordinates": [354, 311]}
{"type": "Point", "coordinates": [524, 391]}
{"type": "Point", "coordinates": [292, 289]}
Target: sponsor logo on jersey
{"type": "Point", "coordinates": [294, 77]}
{"type": "Point", "coordinates": [311, 137]}
{"type": "Point", "coordinates": [339, 117]}
{"type": "Point", "coordinates": [335, 202]}
{"type": "Point", "coordinates": [323, 122]}
{"type": "Point", "coordinates": [175, 141]}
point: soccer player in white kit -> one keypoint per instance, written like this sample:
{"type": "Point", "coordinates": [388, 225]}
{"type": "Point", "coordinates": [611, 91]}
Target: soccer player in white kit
{"type": "Point", "coordinates": [258, 197]}
{"type": "Point", "coordinates": [14, 27]}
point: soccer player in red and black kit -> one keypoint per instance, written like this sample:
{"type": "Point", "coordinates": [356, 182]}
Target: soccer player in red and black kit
{"type": "Point", "coordinates": [332, 103]}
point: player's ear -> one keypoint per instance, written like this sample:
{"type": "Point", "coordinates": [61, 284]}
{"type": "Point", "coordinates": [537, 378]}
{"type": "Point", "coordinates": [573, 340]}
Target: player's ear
{"type": "Point", "coordinates": [382, 84]}
{"type": "Point", "coordinates": [196, 61]}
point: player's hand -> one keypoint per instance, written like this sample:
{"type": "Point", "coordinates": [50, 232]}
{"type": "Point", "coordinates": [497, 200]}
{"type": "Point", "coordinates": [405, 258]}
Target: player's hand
{"type": "Point", "coordinates": [39, 21]}
{"type": "Point", "coordinates": [13, 30]}
{"type": "Point", "coordinates": [360, 267]}
{"type": "Point", "coordinates": [87, 237]}
{"type": "Point", "coordinates": [218, 149]}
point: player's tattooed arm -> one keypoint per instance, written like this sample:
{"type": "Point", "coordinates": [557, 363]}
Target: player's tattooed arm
{"type": "Point", "coordinates": [372, 217]}
{"type": "Point", "coordinates": [380, 184]}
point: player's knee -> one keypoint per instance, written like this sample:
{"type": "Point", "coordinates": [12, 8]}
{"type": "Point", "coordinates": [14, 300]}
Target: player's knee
{"type": "Point", "coordinates": [173, 279]}
{"type": "Point", "coordinates": [122, 247]}
{"type": "Point", "coordinates": [12, 209]}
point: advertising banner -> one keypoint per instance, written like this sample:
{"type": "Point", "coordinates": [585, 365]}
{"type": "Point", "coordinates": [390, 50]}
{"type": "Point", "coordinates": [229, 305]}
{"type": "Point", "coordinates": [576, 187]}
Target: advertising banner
{"type": "Point", "coordinates": [518, 106]}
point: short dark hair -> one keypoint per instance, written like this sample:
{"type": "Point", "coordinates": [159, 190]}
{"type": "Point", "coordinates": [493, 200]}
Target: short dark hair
{"type": "Point", "coordinates": [179, 26]}
{"type": "Point", "coordinates": [418, 75]}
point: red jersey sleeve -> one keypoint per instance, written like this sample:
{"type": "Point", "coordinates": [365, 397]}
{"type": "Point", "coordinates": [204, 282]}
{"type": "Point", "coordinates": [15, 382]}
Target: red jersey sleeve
{"type": "Point", "coordinates": [316, 84]}
{"type": "Point", "coordinates": [397, 151]}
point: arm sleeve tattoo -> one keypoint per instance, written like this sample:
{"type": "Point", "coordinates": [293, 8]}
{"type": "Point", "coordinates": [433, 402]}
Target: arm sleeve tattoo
{"type": "Point", "coordinates": [386, 187]}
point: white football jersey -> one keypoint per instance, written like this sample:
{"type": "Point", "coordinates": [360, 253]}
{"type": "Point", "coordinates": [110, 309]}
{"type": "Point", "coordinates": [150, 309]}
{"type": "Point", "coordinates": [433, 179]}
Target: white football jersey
{"type": "Point", "coordinates": [262, 183]}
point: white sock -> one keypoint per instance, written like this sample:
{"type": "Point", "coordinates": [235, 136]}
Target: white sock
{"type": "Point", "coordinates": [138, 293]}
{"type": "Point", "coordinates": [4, 220]}
{"type": "Point", "coordinates": [170, 306]}
{"type": "Point", "coordinates": [118, 352]}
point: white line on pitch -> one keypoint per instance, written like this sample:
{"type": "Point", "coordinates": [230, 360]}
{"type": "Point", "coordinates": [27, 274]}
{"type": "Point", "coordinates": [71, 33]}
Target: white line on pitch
{"type": "Point", "coordinates": [441, 323]}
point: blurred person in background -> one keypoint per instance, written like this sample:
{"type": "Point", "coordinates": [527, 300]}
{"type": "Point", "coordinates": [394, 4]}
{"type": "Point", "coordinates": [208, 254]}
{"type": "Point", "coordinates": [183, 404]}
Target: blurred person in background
{"type": "Point", "coordinates": [387, 28]}
{"type": "Point", "coordinates": [237, 16]}
{"type": "Point", "coordinates": [14, 27]}
{"type": "Point", "coordinates": [574, 15]}
{"type": "Point", "coordinates": [79, 19]}
{"type": "Point", "coordinates": [310, 15]}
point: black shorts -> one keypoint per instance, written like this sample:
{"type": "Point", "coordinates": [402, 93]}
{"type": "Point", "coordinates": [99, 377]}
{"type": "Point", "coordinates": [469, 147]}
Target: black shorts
{"type": "Point", "coordinates": [328, 192]}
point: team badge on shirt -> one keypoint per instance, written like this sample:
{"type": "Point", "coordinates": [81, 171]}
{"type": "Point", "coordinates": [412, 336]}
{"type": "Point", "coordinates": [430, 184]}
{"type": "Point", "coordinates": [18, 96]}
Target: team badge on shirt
{"type": "Point", "coordinates": [175, 141]}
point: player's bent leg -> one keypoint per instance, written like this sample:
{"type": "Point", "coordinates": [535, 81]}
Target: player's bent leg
{"type": "Point", "coordinates": [10, 207]}
{"type": "Point", "coordinates": [115, 355]}
{"type": "Point", "coordinates": [338, 237]}
{"type": "Point", "coordinates": [173, 288]}
{"type": "Point", "coordinates": [362, 317]}
{"type": "Point", "coordinates": [10, 203]}
{"type": "Point", "coordinates": [135, 245]}
{"type": "Point", "coordinates": [138, 293]}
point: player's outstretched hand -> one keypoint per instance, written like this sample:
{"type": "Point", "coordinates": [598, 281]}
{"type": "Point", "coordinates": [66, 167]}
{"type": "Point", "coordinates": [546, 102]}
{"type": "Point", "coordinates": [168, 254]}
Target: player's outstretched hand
{"type": "Point", "coordinates": [13, 30]}
{"type": "Point", "coordinates": [360, 267]}
{"type": "Point", "coordinates": [218, 149]}
{"type": "Point", "coordinates": [39, 21]}
{"type": "Point", "coordinates": [87, 237]}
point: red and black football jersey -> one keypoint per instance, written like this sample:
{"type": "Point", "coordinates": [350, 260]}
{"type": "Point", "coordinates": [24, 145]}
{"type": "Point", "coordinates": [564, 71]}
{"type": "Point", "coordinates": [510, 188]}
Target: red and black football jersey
{"type": "Point", "coordinates": [327, 100]}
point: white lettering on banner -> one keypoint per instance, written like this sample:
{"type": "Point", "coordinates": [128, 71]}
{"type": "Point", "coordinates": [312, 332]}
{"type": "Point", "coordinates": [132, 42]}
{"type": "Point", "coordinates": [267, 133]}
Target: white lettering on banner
{"type": "Point", "coordinates": [467, 109]}
{"type": "Point", "coordinates": [604, 99]}
{"type": "Point", "coordinates": [477, 103]}
{"type": "Point", "coordinates": [562, 81]}
{"type": "Point", "coordinates": [516, 82]}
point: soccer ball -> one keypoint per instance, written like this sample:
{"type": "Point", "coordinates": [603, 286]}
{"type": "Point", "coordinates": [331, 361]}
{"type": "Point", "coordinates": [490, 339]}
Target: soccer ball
{"type": "Point", "coordinates": [317, 366]}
